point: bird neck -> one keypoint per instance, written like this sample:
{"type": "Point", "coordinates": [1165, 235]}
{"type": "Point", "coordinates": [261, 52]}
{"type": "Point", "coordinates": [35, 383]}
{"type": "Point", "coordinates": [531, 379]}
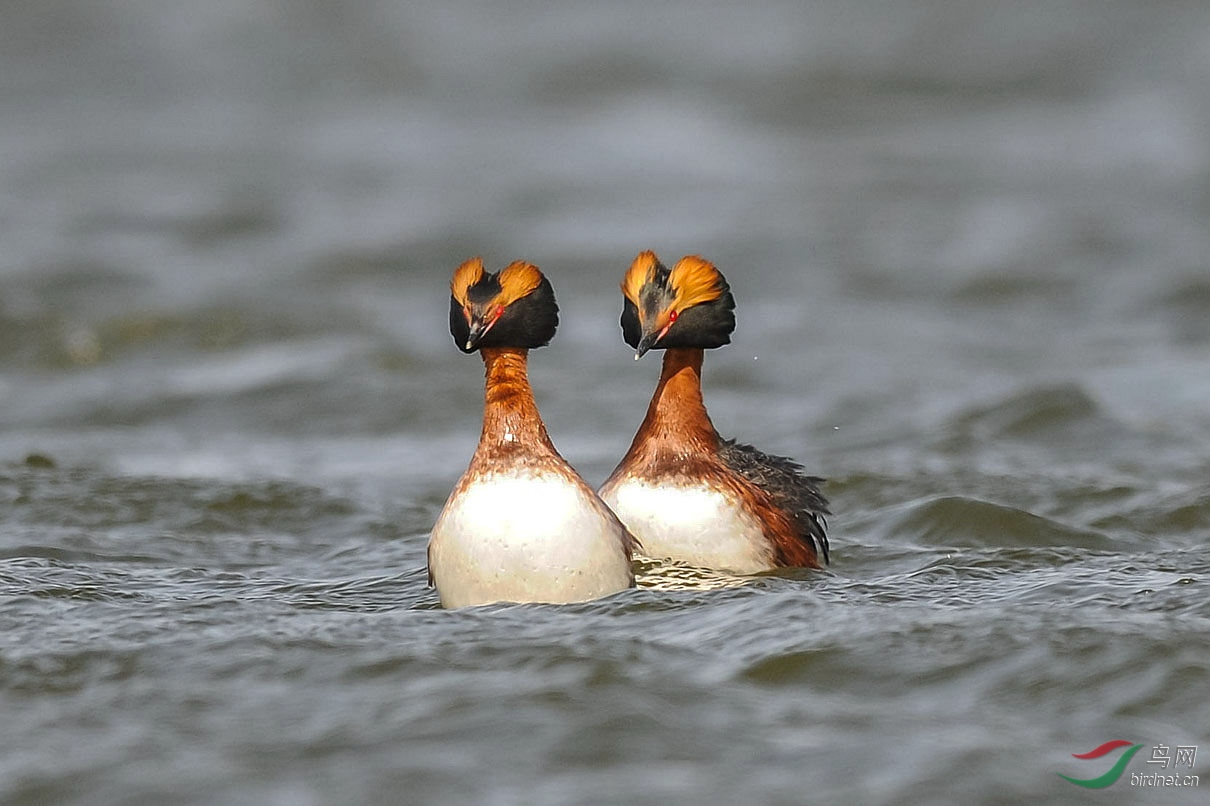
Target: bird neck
{"type": "Point", "coordinates": [676, 416]}
{"type": "Point", "coordinates": [511, 422]}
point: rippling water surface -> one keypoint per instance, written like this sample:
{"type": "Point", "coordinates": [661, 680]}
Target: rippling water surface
{"type": "Point", "coordinates": [969, 246]}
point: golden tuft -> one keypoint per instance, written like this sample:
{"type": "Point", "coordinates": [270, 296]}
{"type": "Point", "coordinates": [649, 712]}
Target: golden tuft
{"type": "Point", "coordinates": [518, 279]}
{"type": "Point", "coordinates": [465, 276]}
{"type": "Point", "coordinates": [641, 272]}
{"type": "Point", "coordinates": [694, 280]}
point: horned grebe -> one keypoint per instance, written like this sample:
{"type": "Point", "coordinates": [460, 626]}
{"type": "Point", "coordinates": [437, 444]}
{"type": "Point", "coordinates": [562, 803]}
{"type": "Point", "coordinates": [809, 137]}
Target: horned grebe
{"type": "Point", "coordinates": [684, 492]}
{"type": "Point", "coordinates": [520, 525]}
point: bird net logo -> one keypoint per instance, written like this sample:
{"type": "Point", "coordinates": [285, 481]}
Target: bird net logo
{"type": "Point", "coordinates": [1167, 760]}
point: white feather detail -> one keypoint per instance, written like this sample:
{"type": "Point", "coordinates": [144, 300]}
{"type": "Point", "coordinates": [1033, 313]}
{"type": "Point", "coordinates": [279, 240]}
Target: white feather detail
{"type": "Point", "coordinates": [526, 538]}
{"type": "Point", "coordinates": [692, 524]}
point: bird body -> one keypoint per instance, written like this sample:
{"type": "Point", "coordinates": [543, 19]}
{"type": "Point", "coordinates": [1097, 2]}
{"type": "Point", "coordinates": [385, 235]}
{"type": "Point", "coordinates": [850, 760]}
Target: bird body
{"type": "Point", "coordinates": [520, 525]}
{"type": "Point", "coordinates": [695, 523]}
{"type": "Point", "coordinates": [526, 537]}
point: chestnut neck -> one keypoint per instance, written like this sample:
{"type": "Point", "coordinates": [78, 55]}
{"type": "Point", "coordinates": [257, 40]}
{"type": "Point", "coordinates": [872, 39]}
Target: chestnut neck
{"type": "Point", "coordinates": [511, 422]}
{"type": "Point", "coordinates": [676, 417]}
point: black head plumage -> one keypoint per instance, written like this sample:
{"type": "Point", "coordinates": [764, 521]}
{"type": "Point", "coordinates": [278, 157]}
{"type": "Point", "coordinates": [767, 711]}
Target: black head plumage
{"type": "Point", "coordinates": [514, 307]}
{"type": "Point", "coordinates": [689, 305]}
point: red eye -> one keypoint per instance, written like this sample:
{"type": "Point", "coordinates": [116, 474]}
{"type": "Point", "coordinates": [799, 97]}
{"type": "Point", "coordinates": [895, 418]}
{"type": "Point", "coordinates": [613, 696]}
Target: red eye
{"type": "Point", "coordinates": [672, 315]}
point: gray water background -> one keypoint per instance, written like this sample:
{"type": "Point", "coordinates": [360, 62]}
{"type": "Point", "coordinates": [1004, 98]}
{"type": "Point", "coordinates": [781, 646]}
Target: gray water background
{"type": "Point", "coordinates": [969, 243]}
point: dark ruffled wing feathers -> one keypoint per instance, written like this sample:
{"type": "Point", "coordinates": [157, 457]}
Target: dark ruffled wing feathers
{"type": "Point", "coordinates": [790, 488]}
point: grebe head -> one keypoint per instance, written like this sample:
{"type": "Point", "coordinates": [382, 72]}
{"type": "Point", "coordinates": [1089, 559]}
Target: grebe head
{"type": "Point", "coordinates": [514, 307]}
{"type": "Point", "coordinates": [689, 305]}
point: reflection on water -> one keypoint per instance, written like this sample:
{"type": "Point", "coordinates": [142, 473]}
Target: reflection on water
{"type": "Point", "coordinates": [670, 575]}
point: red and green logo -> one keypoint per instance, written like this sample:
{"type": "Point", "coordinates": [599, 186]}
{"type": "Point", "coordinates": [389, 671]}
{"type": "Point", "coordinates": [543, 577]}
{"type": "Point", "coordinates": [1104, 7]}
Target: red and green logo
{"type": "Point", "coordinates": [1115, 772]}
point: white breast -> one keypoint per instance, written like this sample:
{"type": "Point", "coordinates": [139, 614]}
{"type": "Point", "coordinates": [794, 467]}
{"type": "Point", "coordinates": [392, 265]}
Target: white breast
{"type": "Point", "coordinates": [693, 524]}
{"type": "Point", "coordinates": [526, 538]}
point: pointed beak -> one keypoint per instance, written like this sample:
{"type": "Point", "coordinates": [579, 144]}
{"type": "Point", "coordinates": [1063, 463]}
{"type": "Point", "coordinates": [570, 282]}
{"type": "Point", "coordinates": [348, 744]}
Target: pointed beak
{"type": "Point", "coordinates": [478, 330]}
{"type": "Point", "coordinates": [652, 337]}
{"type": "Point", "coordinates": [479, 327]}
{"type": "Point", "coordinates": [646, 343]}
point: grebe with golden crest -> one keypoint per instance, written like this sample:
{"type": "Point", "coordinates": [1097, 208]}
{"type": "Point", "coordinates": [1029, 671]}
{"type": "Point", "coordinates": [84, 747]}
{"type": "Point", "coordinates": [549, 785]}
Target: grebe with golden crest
{"type": "Point", "coordinates": [520, 525]}
{"type": "Point", "coordinates": [686, 493]}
